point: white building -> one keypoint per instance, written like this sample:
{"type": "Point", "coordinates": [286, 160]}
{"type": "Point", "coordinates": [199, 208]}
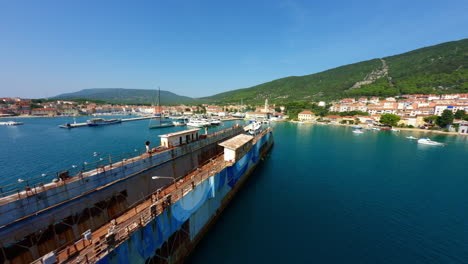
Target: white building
{"type": "Point", "coordinates": [306, 116]}
{"type": "Point", "coordinates": [179, 138]}
{"type": "Point", "coordinates": [236, 147]}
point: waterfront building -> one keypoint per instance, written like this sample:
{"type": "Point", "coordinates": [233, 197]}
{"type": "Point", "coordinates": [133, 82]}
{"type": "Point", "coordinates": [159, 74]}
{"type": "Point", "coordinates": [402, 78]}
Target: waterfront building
{"type": "Point", "coordinates": [333, 118]}
{"type": "Point", "coordinates": [44, 112]}
{"type": "Point", "coordinates": [463, 128]}
{"type": "Point", "coordinates": [306, 116]}
{"type": "Point", "coordinates": [257, 115]}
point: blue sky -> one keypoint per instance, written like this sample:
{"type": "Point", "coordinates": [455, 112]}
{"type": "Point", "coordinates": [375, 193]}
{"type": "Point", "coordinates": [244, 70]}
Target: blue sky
{"type": "Point", "coordinates": [200, 48]}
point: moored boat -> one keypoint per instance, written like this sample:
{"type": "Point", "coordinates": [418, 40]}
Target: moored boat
{"type": "Point", "coordinates": [11, 123]}
{"type": "Point", "coordinates": [198, 123]}
{"type": "Point", "coordinates": [411, 137]}
{"type": "Point", "coordinates": [176, 123]}
{"type": "Point", "coordinates": [358, 132]}
{"type": "Point", "coordinates": [103, 122]}
{"type": "Point", "coordinates": [215, 122]}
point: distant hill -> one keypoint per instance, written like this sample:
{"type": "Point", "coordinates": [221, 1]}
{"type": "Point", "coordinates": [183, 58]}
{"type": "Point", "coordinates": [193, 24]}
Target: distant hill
{"type": "Point", "coordinates": [128, 96]}
{"type": "Point", "coordinates": [441, 68]}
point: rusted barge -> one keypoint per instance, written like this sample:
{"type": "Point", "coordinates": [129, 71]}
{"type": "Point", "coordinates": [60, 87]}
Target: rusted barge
{"type": "Point", "coordinates": [119, 213]}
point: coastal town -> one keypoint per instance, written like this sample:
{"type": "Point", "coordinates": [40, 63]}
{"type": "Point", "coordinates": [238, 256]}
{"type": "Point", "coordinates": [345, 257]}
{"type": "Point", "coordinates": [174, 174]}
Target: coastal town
{"type": "Point", "coordinates": [413, 111]}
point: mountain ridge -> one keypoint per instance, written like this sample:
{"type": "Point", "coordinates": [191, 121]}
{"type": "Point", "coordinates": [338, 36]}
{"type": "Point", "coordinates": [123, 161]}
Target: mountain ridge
{"type": "Point", "coordinates": [441, 68]}
{"type": "Point", "coordinates": [127, 96]}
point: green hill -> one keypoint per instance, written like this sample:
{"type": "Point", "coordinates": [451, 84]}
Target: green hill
{"type": "Point", "coordinates": [128, 96]}
{"type": "Point", "coordinates": [441, 68]}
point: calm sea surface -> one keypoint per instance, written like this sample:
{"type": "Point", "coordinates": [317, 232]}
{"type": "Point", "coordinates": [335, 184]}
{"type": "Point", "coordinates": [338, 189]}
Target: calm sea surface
{"type": "Point", "coordinates": [323, 195]}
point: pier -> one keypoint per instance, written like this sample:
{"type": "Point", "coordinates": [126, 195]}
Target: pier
{"type": "Point", "coordinates": [123, 120]}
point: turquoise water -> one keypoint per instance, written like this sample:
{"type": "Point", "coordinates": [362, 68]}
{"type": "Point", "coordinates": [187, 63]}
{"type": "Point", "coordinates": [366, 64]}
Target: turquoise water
{"type": "Point", "coordinates": [327, 195]}
{"type": "Point", "coordinates": [323, 195]}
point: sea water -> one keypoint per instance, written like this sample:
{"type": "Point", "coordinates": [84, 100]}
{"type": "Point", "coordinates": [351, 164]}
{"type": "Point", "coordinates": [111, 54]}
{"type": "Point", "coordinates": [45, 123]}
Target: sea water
{"type": "Point", "coordinates": [327, 195]}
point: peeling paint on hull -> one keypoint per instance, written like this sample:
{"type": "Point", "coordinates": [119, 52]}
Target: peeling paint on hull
{"type": "Point", "coordinates": [172, 235]}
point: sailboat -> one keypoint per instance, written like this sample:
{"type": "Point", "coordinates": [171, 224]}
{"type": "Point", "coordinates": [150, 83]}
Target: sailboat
{"type": "Point", "coordinates": [160, 123]}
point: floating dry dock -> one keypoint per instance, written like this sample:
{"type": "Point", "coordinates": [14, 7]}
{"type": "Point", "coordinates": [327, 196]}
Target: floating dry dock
{"type": "Point", "coordinates": [118, 213]}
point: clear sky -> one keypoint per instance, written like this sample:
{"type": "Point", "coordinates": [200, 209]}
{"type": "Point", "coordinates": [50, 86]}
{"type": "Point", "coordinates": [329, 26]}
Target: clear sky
{"type": "Point", "coordinates": [200, 48]}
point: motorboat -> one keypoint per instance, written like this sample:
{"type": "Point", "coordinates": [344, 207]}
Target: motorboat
{"type": "Point", "coordinates": [198, 123]}
{"type": "Point", "coordinates": [253, 127]}
{"type": "Point", "coordinates": [11, 123]}
{"type": "Point", "coordinates": [179, 123]}
{"type": "Point", "coordinates": [103, 122]}
{"type": "Point", "coordinates": [395, 130]}
{"type": "Point", "coordinates": [215, 122]}
{"type": "Point", "coordinates": [358, 132]}
{"type": "Point", "coordinates": [428, 141]}
{"type": "Point", "coordinates": [411, 137]}
{"type": "Point", "coordinates": [356, 127]}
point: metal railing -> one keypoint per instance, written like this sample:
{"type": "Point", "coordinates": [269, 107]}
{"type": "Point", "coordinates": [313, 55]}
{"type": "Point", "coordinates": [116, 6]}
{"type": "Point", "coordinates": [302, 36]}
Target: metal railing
{"type": "Point", "coordinates": [34, 184]}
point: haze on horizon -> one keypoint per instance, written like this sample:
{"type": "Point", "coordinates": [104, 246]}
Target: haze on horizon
{"type": "Point", "coordinates": [200, 49]}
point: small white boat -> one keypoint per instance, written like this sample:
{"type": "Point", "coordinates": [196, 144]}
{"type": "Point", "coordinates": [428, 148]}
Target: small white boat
{"type": "Point", "coordinates": [395, 130]}
{"type": "Point", "coordinates": [428, 141]}
{"type": "Point", "coordinates": [358, 132]}
{"type": "Point", "coordinates": [375, 128]}
{"type": "Point", "coordinates": [11, 123]}
{"type": "Point", "coordinates": [215, 122]}
{"type": "Point", "coordinates": [198, 123]}
{"type": "Point", "coordinates": [411, 137]}
{"type": "Point", "coordinates": [253, 127]}
{"type": "Point", "coordinates": [176, 123]}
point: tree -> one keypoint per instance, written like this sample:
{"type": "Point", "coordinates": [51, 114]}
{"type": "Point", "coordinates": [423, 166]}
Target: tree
{"type": "Point", "coordinates": [430, 119]}
{"type": "Point", "coordinates": [389, 119]}
{"type": "Point", "coordinates": [445, 119]}
{"type": "Point", "coordinates": [460, 114]}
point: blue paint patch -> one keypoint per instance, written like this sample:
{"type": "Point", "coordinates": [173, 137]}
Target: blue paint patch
{"type": "Point", "coordinates": [199, 206]}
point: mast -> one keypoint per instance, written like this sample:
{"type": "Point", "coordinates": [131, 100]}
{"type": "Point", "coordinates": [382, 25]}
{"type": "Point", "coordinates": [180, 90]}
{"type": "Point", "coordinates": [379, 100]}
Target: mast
{"type": "Point", "coordinates": [159, 104]}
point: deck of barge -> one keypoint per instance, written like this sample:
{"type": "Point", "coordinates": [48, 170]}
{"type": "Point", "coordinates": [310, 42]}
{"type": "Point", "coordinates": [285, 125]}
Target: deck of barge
{"type": "Point", "coordinates": [84, 251]}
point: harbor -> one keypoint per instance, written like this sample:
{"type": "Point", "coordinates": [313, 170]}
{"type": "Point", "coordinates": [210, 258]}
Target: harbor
{"type": "Point", "coordinates": [353, 190]}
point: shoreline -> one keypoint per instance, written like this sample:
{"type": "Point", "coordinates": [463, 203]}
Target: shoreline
{"type": "Point", "coordinates": [402, 129]}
